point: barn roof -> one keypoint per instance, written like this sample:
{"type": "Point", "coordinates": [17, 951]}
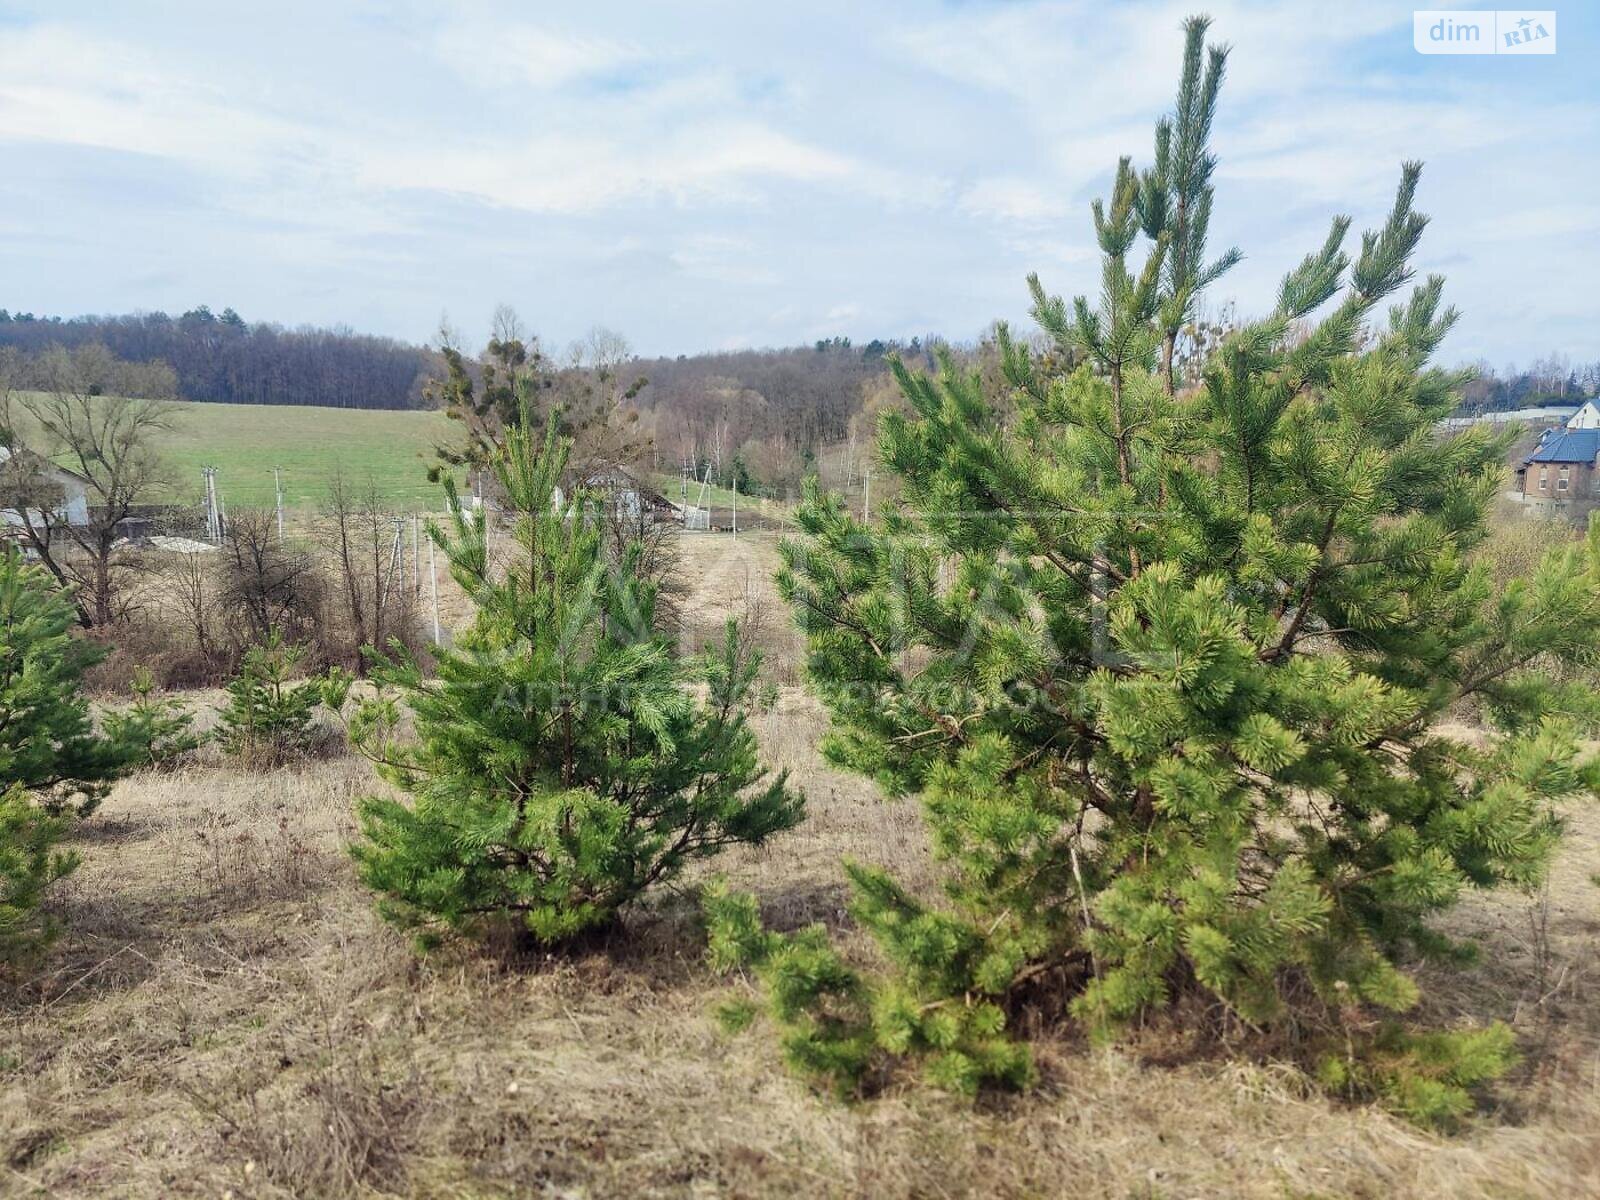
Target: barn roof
{"type": "Point", "coordinates": [1568, 446]}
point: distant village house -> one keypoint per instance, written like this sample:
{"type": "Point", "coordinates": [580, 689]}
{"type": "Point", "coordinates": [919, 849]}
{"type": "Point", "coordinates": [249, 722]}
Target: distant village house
{"type": "Point", "coordinates": [36, 485]}
{"type": "Point", "coordinates": [1559, 477]}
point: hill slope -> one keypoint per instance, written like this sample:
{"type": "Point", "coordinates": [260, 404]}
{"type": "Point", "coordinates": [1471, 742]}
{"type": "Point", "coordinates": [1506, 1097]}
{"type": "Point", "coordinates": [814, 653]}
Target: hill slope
{"type": "Point", "coordinates": [246, 441]}
{"type": "Point", "coordinates": [309, 444]}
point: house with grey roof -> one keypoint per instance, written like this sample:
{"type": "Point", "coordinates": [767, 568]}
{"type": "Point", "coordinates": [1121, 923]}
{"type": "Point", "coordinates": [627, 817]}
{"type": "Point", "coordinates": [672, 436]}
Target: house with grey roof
{"type": "Point", "coordinates": [1560, 476]}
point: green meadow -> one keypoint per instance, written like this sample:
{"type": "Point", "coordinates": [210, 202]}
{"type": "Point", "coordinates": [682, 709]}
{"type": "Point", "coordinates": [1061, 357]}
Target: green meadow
{"type": "Point", "coordinates": [309, 445]}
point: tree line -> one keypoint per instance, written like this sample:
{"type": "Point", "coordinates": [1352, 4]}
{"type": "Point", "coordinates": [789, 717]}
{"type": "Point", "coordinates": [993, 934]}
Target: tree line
{"type": "Point", "coordinates": [759, 415]}
{"type": "Point", "coordinates": [223, 358]}
{"type": "Point", "coordinates": [1553, 379]}
{"type": "Point", "coordinates": [759, 418]}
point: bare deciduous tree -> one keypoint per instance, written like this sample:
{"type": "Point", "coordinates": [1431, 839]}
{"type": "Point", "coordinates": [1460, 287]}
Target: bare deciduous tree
{"type": "Point", "coordinates": [596, 391]}
{"type": "Point", "coordinates": [265, 587]}
{"type": "Point", "coordinates": [192, 591]}
{"type": "Point", "coordinates": [98, 418]}
{"type": "Point", "coordinates": [365, 538]}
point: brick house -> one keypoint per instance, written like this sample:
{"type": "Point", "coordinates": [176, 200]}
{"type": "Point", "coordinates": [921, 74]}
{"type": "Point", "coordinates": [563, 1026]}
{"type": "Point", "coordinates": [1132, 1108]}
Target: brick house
{"type": "Point", "coordinates": [1559, 477]}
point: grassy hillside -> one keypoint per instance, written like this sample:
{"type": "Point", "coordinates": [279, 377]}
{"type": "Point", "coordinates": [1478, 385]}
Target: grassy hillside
{"type": "Point", "coordinates": [246, 441]}
{"type": "Point", "coordinates": [753, 511]}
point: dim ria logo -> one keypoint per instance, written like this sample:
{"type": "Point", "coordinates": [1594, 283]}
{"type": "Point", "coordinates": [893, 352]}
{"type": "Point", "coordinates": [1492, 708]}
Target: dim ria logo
{"type": "Point", "coordinates": [1484, 31]}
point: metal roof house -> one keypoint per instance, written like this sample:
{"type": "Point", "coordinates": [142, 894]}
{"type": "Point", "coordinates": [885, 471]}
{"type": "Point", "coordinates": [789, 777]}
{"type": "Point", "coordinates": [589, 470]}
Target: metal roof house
{"type": "Point", "coordinates": [1560, 474]}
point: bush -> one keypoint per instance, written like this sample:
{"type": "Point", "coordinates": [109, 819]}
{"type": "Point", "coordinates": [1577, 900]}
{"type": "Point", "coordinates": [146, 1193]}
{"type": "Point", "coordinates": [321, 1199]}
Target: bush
{"type": "Point", "coordinates": [53, 766]}
{"type": "Point", "coordinates": [30, 862]}
{"type": "Point", "coordinates": [1425, 1077]}
{"type": "Point", "coordinates": [269, 719]}
{"type": "Point", "coordinates": [157, 730]}
{"type": "Point", "coordinates": [1165, 666]}
{"type": "Point", "coordinates": [562, 765]}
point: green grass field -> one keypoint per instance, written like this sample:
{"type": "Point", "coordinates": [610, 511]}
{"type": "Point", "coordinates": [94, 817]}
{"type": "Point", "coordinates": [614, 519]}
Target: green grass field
{"type": "Point", "coordinates": [394, 449]}
{"type": "Point", "coordinates": [246, 441]}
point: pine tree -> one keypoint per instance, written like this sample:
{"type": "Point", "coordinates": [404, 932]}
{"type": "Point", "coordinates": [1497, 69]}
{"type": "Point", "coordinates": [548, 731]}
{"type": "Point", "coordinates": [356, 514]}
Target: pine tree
{"type": "Point", "coordinates": [53, 766]}
{"type": "Point", "coordinates": [269, 718]}
{"type": "Point", "coordinates": [486, 395]}
{"type": "Point", "coordinates": [30, 861]}
{"type": "Point", "coordinates": [1167, 668]}
{"type": "Point", "coordinates": [158, 730]}
{"type": "Point", "coordinates": [48, 744]}
{"type": "Point", "coordinates": [562, 764]}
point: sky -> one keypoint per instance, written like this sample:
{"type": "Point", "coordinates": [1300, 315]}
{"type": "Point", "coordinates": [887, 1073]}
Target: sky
{"type": "Point", "coordinates": [707, 175]}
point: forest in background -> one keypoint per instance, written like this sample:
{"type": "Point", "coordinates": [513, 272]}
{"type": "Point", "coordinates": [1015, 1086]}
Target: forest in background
{"type": "Point", "coordinates": [759, 418]}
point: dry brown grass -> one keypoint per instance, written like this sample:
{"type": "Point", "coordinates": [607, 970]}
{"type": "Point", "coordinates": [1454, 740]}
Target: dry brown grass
{"type": "Point", "coordinates": [227, 1016]}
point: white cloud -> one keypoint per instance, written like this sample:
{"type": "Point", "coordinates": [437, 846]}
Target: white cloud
{"type": "Point", "coordinates": [1559, 220]}
{"type": "Point", "coordinates": [59, 86]}
{"type": "Point", "coordinates": [604, 156]}
{"type": "Point", "coordinates": [722, 259]}
{"type": "Point", "coordinates": [1012, 199]}
{"type": "Point", "coordinates": [507, 53]}
{"type": "Point", "coordinates": [716, 164]}
{"type": "Point", "coordinates": [916, 159]}
{"type": "Point", "coordinates": [1343, 152]}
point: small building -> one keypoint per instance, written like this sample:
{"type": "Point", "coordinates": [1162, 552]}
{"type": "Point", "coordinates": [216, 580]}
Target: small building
{"type": "Point", "coordinates": [27, 479]}
{"type": "Point", "coordinates": [1547, 415]}
{"type": "Point", "coordinates": [628, 497]}
{"type": "Point", "coordinates": [624, 496]}
{"type": "Point", "coordinates": [1559, 477]}
{"type": "Point", "coordinates": [1587, 417]}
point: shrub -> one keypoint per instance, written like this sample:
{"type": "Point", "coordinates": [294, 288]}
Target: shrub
{"type": "Point", "coordinates": [269, 719]}
{"type": "Point", "coordinates": [157, 730]}
{"type": "Point", "coordinates": [562, 764]}
{"type": "Point", "coordinates": [53, 766]}
{"type": "Point", "coordinates": [48, 744]}
{"type": "Point", "coordinates": [840, 1025]}
{"type": "Point", "coordinates": [1165, 665]}
{"type": "Point", "coordinates": [30, 861]}
{"type": "Point", "coordinates": [1425, 1077]}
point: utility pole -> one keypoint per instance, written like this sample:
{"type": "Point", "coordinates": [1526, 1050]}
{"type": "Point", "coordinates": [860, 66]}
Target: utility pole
{"type": "Point", "coordinates": [215, 514]}
{"type": "Point", "coordinates": [416, 557]}
{"type": "Point", "coordinates": [433, 587]}
{"type": "Point", "coordinates": [397, 566]}
{"type": "Point", "coordinates": [277, 486]}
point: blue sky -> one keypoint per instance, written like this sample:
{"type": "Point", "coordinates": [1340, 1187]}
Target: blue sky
{"type": "Point", "coordinates": [702, 175]}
